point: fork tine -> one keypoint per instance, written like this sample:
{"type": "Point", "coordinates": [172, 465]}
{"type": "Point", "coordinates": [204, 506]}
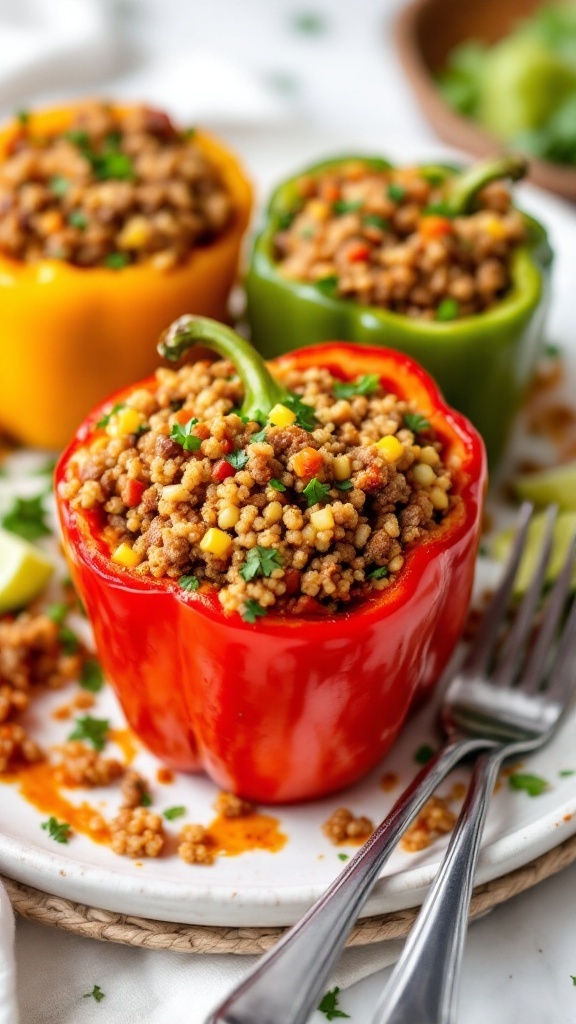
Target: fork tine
{"type": "Point", "coordinates": [563, 671]}
{"type": "Point", "coordinates": [482, 648]}
{"type": "Point", "coordinates": [509, 659]}
{"type": "Point", "coordinates": [533, 674]}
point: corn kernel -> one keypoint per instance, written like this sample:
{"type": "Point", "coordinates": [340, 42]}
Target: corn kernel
{"type": "Point", "coordinates": [317, 209]}
{"type": "Point", "coordinates": [390, 448]}
{"type": "Point", "coordinates": [495, 228]}
{"type": "Point", "coordinates": [423, 474]}
{"type": "Point", "coordinates": [125, 421]}
{"type": "Point", "coordinates": [125, 555]}
{"type": "Point", "coordinates": [342, 467]}
{"type": "Point", "coordinates": [228, 517]}
{"type": "Point", "coordinates": [429, 455]}
{"type": "Point", "coordinates": [273, 512]}
{"type": "Point", "coordinates": [439, 499]}
{"type": "Point", "coordinates": [216, 542]}
{"type": "Point", "coordinates": [281, 416]}
{"type": "Point", "coordinates": [323, 519]}
{"type": "Point", "coordinates": [135, 234]}
{"type": "Point", "coordinates": [175, 492]}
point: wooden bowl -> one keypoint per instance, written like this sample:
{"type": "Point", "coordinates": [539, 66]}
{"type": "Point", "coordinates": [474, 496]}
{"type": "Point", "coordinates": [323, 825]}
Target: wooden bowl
{"type": "Point", "coordinates": [426, 31]}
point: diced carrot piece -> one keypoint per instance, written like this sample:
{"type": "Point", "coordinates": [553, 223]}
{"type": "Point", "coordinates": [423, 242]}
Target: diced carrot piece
{"type": "Point", "coordinates": [307, 462]}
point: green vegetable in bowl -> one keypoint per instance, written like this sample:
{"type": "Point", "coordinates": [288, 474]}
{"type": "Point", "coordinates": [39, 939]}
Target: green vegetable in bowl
{"type": "Point", "coordinates": [522, 88]}
{"type": "Point", "coordinates": [550, 486]}
{"type": "Point", "coordinates": [564, 529]}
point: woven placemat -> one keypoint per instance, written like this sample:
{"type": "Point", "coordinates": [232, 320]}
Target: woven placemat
{"type": "Point", "coordinates": [183, 938]}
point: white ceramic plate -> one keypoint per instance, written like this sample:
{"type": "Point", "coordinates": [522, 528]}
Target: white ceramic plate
{"type": "Point", "coordinates": [260, 888]}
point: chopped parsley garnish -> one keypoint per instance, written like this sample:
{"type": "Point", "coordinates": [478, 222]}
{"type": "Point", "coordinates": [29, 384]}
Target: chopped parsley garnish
{"type": "Point", "coordinates": [374, 220]}
{"type": "Point", "coordinates": [573, 976]}
{"type": "Point", "coordinates": [277, 484]}
{"type": "Point", "coordinates": [305, 415]}
{"type": "Point", "coordinates": [253, 610]}
{"type": "Point", "coordinates": [96, 994]}
{"type": "Point", "coordinates": [396, 192]}
{"type": "Point", "coordinates": [447, 310]}
{"type": "Point", "coordinates": [329, 1005]}
{"type": "Point", "coordinates": [146, 799]}
{"type": "Point", "coordinates": [424, 753]}
{"type": "Point", "coordinates": [117, 260]}
{"type": "Point", "coordinates": [190, 132]}
{"type": "Point", "coordinates": [78, 219]}
{"type": "Point", "coordinates": [78, 137]}
{"type": "Point", "coordinates": [309, 23]}
{"type": "Point", "coordinates": [378, 574]}
{"type": "Point", "coordinates": [93, 730]}
{"type": "Point", "coordinates": [105, 420]}
{"type": "Point", "coordinates": [315, 491]}
{"type": "Point", "coordinates": [23, 117]}
{"type": "Point", "coordinates": [237, 459]}
{"type": "Point", "coordinates": [59, 185]}
{"type": "Point", "coordinates": [416, 422]}
{"type": "Point", "coordinates": [174, 812]}
{"type": "Point", "coordinates": [365, 385]}
{"type": "Point", "coordinates": [112, 164]}
{"type": "Point", "coordinates": [343, 856]}
{"type": "Point", "coordinates": [91, 678]}
{"type": "Point", "coordinates": [534, 785]}
{"type": "Point", "coordinates": [59, 831]}
{"type": "Point", "coordinates": [27, 518]}
{"type": "Point", "coordinates": [189, 582]}
{"type": "Point", "coordinates": [260, 436]}
{"type": "Point", "coordinates": [182, 434]}
{"type": "Point", "coordinates": [260, 561]}
{"type": "Point", "coordinates": [552, 351]}
{"type": "Point", "coordinates": [566, 772]}
{"type": "Point", "coordinates": [343, 485]}
{"type": "Point", "coordinates": [327, 285]}
{"type": "Point", "coordinates": [347, 206]}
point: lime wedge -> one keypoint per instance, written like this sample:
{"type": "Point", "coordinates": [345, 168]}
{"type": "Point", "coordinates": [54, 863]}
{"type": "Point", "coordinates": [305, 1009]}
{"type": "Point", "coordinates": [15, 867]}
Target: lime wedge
{"type": "Point", "coordinates": [555, 486]}
{"type": "Point", "coordinates": [563, 532]}
{"type": "Point", "coordinates": [24, 571]}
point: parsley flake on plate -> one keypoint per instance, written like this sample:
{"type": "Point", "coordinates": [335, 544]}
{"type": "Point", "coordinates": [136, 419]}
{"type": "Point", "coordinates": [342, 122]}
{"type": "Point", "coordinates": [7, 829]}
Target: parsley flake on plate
{"type": "Point", "coordinates": [533, 785]}
{"type": "Point", "coordinates": [315, 491]}
{"type": "Point", "coordinates": [260, 561]}
{"type": "Point", "coordinates": [424, 753]}
{"type": "Point", "coordinates": [146, 799]}
{"type": "Point", "coordinates": [93, 730]}
{"type": "Point", "coordinates": [343, 856]}
{"type": "Point", "coordinates": [365, 385]}
{"type": "Point", "coordinates": [182, 434]}
{"type": "Point", "coordinates": [27, 518]}
{"type": "Point", "coordinates": [174, 812]}
{"type": "Point", "coordinates": [96, 994]}
{"type": "Point", "coordinates": [329, 1005]}
{"type": "Point", "coordinates": [91, 678]}
{"type": "Point", "coordinates": [59, 831]}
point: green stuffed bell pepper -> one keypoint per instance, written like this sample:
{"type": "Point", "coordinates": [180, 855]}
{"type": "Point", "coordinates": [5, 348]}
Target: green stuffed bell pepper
{"type": "Point", "coordinates": [433, 261]}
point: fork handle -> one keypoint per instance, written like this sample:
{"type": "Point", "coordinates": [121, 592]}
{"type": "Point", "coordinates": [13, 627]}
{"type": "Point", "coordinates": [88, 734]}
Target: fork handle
{"type": "Point", "coordinates": [424, 984]}
{"type": "Point", "coordinates": [286, 985]}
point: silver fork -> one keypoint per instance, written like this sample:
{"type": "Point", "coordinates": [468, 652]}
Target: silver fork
{"type": "Point", "coordinates": [520, 699]}
{"type": "Point", "coordinates": [287, 983]}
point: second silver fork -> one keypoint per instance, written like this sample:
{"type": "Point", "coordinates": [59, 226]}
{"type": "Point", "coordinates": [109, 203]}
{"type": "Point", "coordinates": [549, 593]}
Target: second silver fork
{"type": "Point", "coordinates": [286, 985]}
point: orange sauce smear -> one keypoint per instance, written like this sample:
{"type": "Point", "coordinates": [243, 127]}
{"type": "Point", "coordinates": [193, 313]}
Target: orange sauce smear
{"type": "Point", "coordinates": [126, 740]}
{"type": "Point", "coordinates": [165, 776]}
{"type": "Point", "coordinates": [39, 786]}
{"type": "Point", "coordinates": [232, 836]}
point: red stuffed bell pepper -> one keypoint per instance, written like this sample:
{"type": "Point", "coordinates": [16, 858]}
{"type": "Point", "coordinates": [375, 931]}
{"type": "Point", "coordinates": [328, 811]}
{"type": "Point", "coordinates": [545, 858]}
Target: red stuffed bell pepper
{"type": "Point", "coordinates": [289, 706]}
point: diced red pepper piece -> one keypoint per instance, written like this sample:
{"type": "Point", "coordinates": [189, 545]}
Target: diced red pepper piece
{"type": "Point", "coordinates": [435, 226]}
{"type": "Point", "coordinates": [221, 470]}
{"type": "Point", "coordinates": [132, 492]}
{"type": "Point", "coordinates": [359, 253]}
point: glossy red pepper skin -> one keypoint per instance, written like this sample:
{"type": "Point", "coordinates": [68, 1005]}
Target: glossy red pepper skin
{"type": "Point", "coordinates": [288, 708]}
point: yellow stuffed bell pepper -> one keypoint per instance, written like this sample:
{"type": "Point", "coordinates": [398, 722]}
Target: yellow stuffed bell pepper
{"type": "Point", "coordinates": [69, 335]}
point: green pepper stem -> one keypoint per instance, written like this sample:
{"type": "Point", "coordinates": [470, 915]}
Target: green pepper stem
{"type": "Point", "coordinates": [461, 189]}
{"type": "Point", "coordinates": [261, 391]}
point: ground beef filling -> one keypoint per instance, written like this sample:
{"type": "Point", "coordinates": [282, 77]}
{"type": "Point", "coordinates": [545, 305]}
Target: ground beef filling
{"type": "Point", "coordinates": [110, 191]}
{"type": "Point", "coordinates": [284, 518]}
{"type": "Point", "coordinates": [384, 238]}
